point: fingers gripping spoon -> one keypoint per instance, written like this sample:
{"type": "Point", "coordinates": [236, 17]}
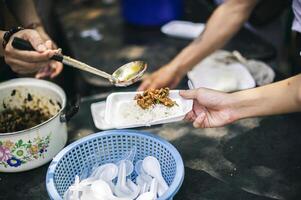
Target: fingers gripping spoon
{"type": "Point", "coordinates": [123, 76]}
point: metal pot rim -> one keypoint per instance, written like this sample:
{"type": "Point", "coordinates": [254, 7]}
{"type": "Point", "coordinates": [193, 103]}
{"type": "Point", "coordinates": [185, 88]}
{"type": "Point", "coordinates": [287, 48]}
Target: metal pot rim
{"type": "Point", "coordinates": [41, 83]}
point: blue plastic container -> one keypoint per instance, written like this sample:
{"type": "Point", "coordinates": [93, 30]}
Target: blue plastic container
{"type": "Point", "coordinates": [151, 12]}
{"type": "Point", "coordinates": [110, 146]}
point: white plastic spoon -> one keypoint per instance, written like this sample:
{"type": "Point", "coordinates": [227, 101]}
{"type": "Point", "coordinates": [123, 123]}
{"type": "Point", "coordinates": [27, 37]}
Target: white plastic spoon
{"type": "Point", "coordinates": [102, 189]}
{"type": "Point", "coordinates": [106, 172]}
{"type": "Point", "coordinates": [121, 189]}
{"type": "Point", "coordinates": [152, 167]}
{"type": "Point", "coordinates": [73, 190]}
{"type": "Point", "coordinates": [109, 173]}
{"type": "Point", "coordinates": [89, 195]}
{"type": "Point", "coordinates": [128, 158]}
{"type": "Point", "coordinates": [152, 194]}
{"type": "Point", "coordinates": [138, 167]}
{"type": "Point", "coordinates": [144, 188]}
{"type": "Point", "coordinates": [67, 195]}
{"type": "Point", "coordinates": [135, 189]}
{"type": "Point", "coordinates": [143, 179]}
{"type": "Point", "coordinates": [143, 185]}
{"type": "Point", "coordinates": [131, 154]}
{"type": "Point", "coordinates": [140, 171]}
{"type": "Point", "coordinates": [87, 181]}
{"type": "Point", "coordinates": [129, 167]}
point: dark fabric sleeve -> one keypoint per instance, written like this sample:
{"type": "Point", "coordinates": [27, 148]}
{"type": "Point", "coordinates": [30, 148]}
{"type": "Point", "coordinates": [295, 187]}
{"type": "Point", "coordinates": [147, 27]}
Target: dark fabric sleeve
{"type": "Point", "coordinates": [267, 11]}
{"type": "Point", "coordinates": [1, 15]}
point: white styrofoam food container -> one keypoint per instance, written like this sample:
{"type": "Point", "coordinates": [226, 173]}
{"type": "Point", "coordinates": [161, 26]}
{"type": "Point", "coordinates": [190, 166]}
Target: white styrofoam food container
{"type": "Point", "coordinates": [98, 114]}
{"type": "Point", "coordinates": [183, 29]}
{"type": "Point", "coordinates": [116, 101]}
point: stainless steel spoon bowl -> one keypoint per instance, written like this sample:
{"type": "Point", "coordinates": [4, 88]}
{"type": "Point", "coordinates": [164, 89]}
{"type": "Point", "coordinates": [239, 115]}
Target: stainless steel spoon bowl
{"type": "Point", "coordinates": [129, 73]}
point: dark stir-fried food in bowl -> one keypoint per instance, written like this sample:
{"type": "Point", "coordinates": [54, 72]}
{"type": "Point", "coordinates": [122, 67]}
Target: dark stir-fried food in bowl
{"type": "Point", "coordinates": [17, 119]}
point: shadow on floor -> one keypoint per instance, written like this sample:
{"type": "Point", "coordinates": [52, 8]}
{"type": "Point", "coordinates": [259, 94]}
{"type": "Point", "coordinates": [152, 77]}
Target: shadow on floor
{"type": "Point", "coordinates": [269, 155]}
{"type": "Point", "coordinates": [198, 185]}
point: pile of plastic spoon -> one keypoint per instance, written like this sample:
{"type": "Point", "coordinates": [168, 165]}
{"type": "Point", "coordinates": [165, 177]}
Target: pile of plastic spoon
{"type": "Point", "coordinates": [112, 181]}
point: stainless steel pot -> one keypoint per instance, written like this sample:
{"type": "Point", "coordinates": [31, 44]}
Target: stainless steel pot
{"type": "Point", "coordinates": [27, 149]}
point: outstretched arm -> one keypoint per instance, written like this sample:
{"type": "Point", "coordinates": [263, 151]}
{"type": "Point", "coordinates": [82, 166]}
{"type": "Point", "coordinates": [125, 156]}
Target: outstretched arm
{"type": "Point", "coordinates": [222, 26]}
{"type": "Point", "coordinates": [214, 109]}
{"type": "Point", "coordinates": [278, 98]}
{"type": "Point", "coordinates": [226, 20]}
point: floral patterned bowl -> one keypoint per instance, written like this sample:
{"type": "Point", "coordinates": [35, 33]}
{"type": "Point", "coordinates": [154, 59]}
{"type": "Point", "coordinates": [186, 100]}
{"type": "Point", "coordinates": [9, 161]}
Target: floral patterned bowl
{"type": "Point", "coordinates": [31, 148]}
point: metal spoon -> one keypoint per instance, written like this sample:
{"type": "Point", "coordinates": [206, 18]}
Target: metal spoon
{"type": "Point", "coordinates": [124, 76]}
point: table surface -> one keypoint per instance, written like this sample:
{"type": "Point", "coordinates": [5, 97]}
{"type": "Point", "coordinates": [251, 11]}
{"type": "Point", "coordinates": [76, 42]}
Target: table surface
{"type": "Point", "coordinates": [256, 158]}
{"type": "Point", "coordinates": [251, 159]}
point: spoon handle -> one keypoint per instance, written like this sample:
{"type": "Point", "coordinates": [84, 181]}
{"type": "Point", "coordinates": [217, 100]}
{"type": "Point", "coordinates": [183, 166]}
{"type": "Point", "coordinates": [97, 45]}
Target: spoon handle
{"type": "Point", "coordinates": [83, 66]}
{"type": "Point", "coordinates": [19, 43]}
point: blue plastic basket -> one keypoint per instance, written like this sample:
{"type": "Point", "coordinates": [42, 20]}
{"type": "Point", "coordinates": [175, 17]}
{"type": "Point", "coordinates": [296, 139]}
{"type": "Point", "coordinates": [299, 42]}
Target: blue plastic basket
{"type": "Point", "coordinates": [110, 146]}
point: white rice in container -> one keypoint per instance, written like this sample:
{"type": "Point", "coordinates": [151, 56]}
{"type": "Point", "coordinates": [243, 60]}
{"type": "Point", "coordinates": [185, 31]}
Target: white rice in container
{"type": "Point", "coordinates": [132, 113]}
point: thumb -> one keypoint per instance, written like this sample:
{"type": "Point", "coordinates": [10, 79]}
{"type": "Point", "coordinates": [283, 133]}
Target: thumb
{"type": "Point", "coordinates": [36, 41]}
{"type": "Point", "coordinates": [189, 94]}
